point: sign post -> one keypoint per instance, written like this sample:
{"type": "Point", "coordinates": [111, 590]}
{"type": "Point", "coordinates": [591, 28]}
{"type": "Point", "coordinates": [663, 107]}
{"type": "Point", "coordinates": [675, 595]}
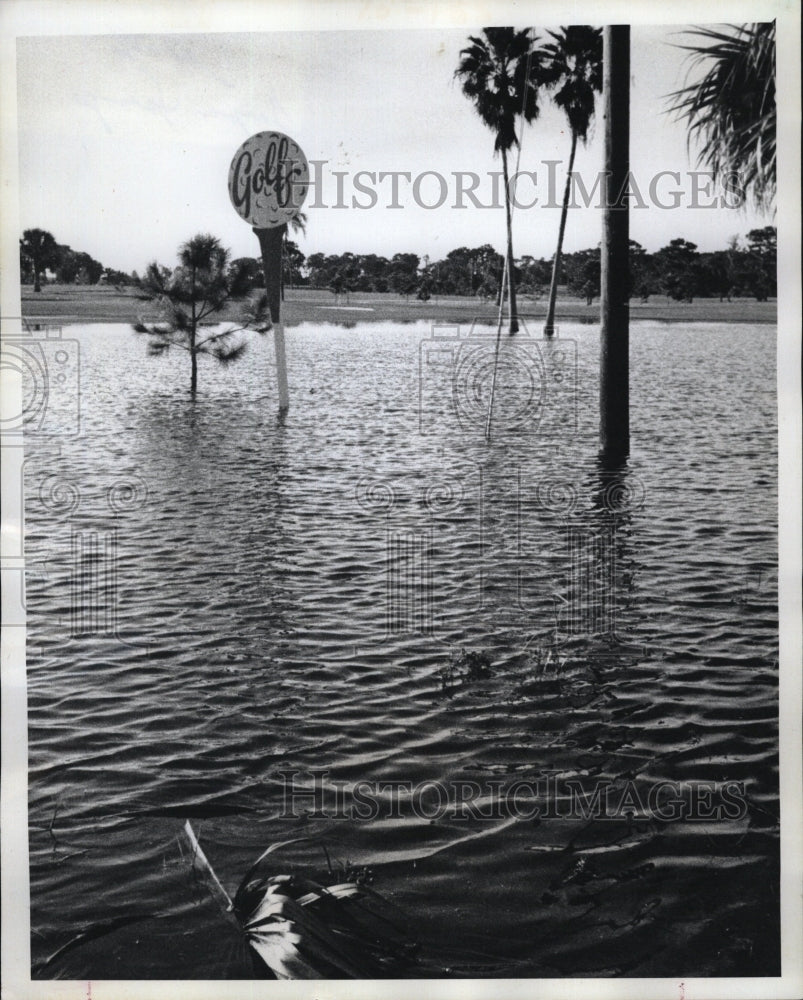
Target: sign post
{"type": "Point", "coordinates": [268, 181]}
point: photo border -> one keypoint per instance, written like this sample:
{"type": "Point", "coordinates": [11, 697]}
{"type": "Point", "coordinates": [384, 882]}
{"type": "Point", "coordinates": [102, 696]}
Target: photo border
{"type": "Point", "coordinates": [63, 17]}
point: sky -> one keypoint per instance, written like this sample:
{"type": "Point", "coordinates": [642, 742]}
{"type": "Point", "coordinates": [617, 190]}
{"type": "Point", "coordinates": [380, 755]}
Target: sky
{"type": "Point", "coordinates": [125, 142]}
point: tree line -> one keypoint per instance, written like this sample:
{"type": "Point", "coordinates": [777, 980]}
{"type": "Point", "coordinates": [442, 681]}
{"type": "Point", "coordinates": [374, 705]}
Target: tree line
{"type": "Point", "coordinates": [40, 252]}
{"type": "Point", "coordinates": [746, 268]}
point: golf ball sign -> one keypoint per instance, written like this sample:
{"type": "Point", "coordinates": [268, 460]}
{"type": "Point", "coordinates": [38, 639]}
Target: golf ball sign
{"type": "Point", "coordinates": [268, 180]}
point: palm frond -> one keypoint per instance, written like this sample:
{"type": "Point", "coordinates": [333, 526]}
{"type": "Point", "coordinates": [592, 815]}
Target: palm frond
{"type": "Point", "coordinates": [298, 224]}
{"type": "Point", "coordinates": [573, 70]}
{"type": "Point", "coordinates": [500, 73]}
{"type": "Point", "coordinates": [226, 354]}
{"type": "Point", "coordinates": [730, 110]}
{"type": "Point", "coordinates": [303, 930]}
{"type": "Point", "coordinates": [256, 314]}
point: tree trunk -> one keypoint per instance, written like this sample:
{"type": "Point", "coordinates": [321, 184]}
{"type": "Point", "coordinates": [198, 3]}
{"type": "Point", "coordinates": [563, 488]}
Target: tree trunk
{"type": "Point", "coordinates": [36, 285]}
{"type": "Point", "coordinates": [511, 283]}
{"type": "Point", "coordinates": [549, 326]}
{"type": "Point", "coordinates": [193, 356]}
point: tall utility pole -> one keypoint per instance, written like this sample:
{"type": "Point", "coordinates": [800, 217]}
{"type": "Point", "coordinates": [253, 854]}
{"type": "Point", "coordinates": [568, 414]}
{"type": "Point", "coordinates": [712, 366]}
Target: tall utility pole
{"type": "Point", "coordinates": [614, 388]}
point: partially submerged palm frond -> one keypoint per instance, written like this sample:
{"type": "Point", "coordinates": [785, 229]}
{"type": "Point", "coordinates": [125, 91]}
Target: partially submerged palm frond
{"type": "Point", "coordinates": [303, 930]}
{"type": "Point", "coordinates": [730, 110]}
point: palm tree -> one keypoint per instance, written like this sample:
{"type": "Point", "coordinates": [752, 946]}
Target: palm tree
{"type": "Point", "coordinates": [40, 249]}
{"type": "Point", "coordinates": [730, 110]}
{"type": "Point", "coordinates": [499, 72]}
{"type": "Point", "coordinates": [299, 225]}
{"type": "Point", "coordinates": [574, 67]}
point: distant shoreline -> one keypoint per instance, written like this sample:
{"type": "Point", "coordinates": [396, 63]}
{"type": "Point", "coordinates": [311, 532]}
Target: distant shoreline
{"type": "Point", "coordinates": [67, 304]}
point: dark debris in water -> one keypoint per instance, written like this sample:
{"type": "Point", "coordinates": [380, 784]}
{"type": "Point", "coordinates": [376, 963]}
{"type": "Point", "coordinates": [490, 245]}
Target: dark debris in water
{"type": "Point", "coordinates": [465, 667]}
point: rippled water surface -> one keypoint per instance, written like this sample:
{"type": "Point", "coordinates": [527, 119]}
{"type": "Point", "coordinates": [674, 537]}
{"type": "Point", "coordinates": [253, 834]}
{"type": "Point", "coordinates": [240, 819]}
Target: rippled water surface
{"type": "Point", "coordinates": [230, 620]}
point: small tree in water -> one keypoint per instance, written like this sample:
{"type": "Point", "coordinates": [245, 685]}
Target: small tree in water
{"type": "Point", "coordinates": [200, 287]}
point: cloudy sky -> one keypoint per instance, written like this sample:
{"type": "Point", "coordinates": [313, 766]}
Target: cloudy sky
{"type": "Point", "coordinates": [125, 142]}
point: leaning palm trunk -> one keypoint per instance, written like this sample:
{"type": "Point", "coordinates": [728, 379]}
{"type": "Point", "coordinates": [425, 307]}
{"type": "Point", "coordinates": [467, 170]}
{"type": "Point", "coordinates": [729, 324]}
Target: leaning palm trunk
{"type": "Point", "coordinates": [549, 326]}
{"type": "Point", "coordinates": [575, 70]}
{"type": "Point", "coordinates": [514, 319]}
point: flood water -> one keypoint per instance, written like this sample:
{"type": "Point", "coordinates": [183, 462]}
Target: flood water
{"type": "Point", "coordinates": [428, 652]}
